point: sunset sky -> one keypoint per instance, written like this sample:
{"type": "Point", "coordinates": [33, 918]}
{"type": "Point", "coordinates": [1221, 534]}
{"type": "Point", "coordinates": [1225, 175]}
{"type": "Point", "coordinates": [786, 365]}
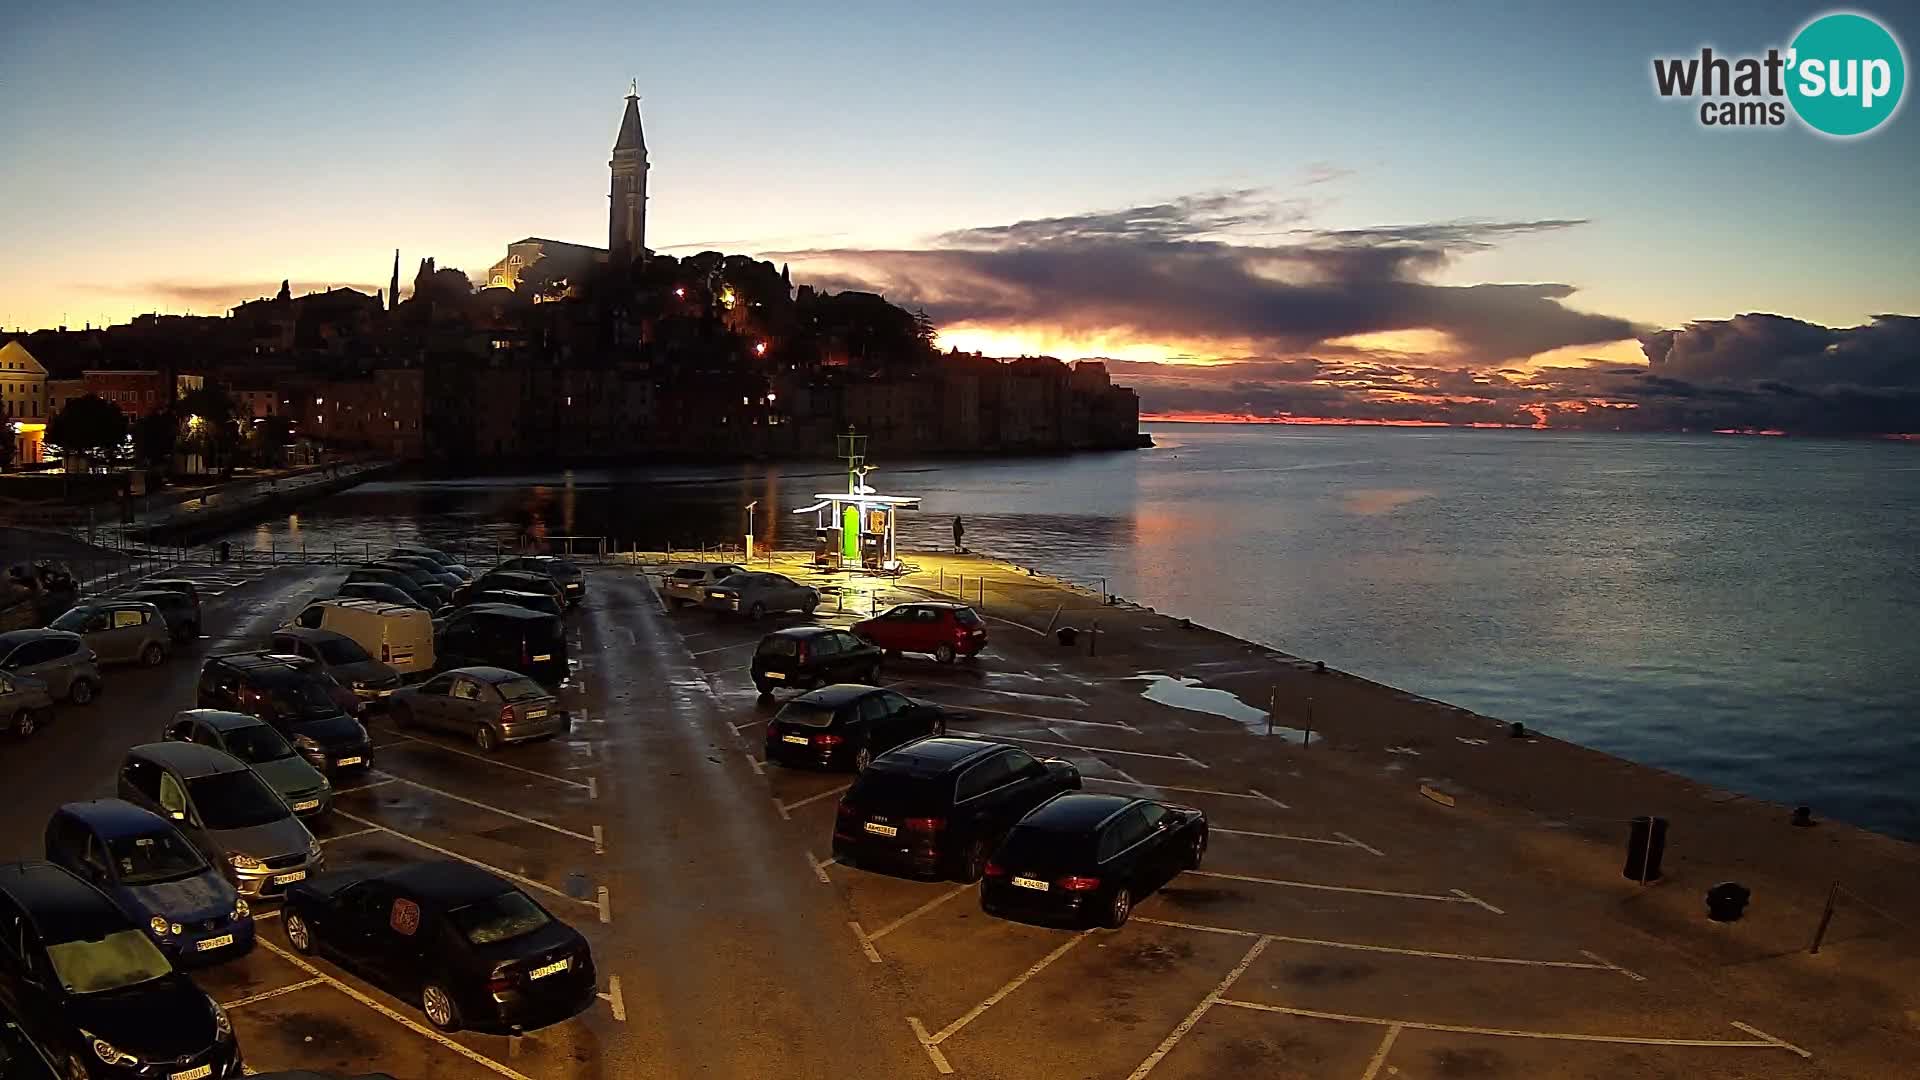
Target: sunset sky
{"type": "Point", "coordinates": [1350, 204]}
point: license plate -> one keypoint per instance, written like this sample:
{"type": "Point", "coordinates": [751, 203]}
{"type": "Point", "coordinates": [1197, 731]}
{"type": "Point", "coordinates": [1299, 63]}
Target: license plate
{"type": "Point", "coordinates": [801, 739]}
{"type": "Point", "coordinates": [384, 693]}
{"type": "Point", "coordinates": [882, 830]}
{"type": "Point", "coordinates": [345, 761]}
{"type": "Point", "coordinates": [198, 1072]}
{"type": "Point", "coordinates": [543, 657]}
{"type": "Point", "coordinates": [288, 879]}
{"type": "Point", "coordinates": [1032, 883]}
{"type": "Point", "coordinates": [716, 596]}
{"type": "Point", "coordinates": [554, 968]}
{"type": "Point", "coordinates": [306, 804]}
{"type": "Point", "coordinates": [776, 675]}
{"type": "Point", "coordinates": [214, 943]}
{"type": "Point", "coordinates": [535, 714]}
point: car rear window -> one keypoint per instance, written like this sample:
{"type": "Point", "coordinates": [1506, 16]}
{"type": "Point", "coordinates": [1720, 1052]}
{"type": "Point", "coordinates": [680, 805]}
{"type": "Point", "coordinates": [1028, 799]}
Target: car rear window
{"type": "Point", "coordinates": [499, 918]}
{"type": "Point", "coordinates": [522, 689]}
{"type": "Point", "coordinates": [806, 714]}
{"type": "Point", "coordinates": [690, 574]}
{"type": "Point", "coordinates": [885, 791]}
{"type": "Point", "coordinates": [342, 651]}
{"type": "Point", "coordinates": [965, 617]}
{"type": "Point", "coordinates": [779, 646]}
{"type": "Point", "coordinates": [1028, 848]}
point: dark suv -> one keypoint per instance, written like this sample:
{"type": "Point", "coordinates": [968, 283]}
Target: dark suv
{"type": "Point", "coordinates": [502, 635]}
{"type": "Point", "coordinates": [940, 806]}
{"type": "Point", "coordinates": [803, 657]}
{"type": "Point", "coordinates": [296, 698]}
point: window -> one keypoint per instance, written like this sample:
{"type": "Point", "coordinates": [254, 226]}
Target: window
{"type": "Point", "coordinates": [465, 690]}
{"type": "Point", "coordinates": [312, 617]}
{"type": "Point", "coordinates": [124, 617]}
{"type": "Point", "coordinates": [1123, 832]}
{"type": "Point", "coordinates": [143, 777]}
{"type": "Point", "coordinates": [500, 918]}
{"type": "Point", "coordinates": [873, 709]}
{"type": "Point", "coordinates": [437, 685]}
{"type": "Point", "coordinates": [894, 702]}
{"type": "Point", "coordinates": [825, 646]}
{"type": "Point", "coordinates": [173, 798]}
{"type": "Point", "coordinates": [984, 777]}
{"type": "Point", "coordinates": [1154, 814]}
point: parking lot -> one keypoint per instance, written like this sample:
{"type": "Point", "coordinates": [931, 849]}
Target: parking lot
{"type": "Point", "coordinates": [1320, 938]}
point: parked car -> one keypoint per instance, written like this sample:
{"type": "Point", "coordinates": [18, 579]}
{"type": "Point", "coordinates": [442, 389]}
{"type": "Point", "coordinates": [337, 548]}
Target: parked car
{"type": "Point", "coordinates": [686, 584]}
{"type": "Point", "coordinates": [847, 725]}
{"type": "Point", "coordinates": [22, 1057]}
{"type": "Point", "coordinates": [446, 561]}
{"type": "Point", "coordinates": [472, 949]}
{"type": "Point", "coordinates": [57, 658]}
{"type": "Point", "coordinates": [940, 629]}
{"type": "Point", "coordinates": [1081, 858]}
{"type": "Point", "coordinates": [228, 812]}
{"type": "Point", "coordinates": [290, 694]}
{"type": "Point", "coordinates": [185, 586]}
{"type": "Point", "coordinates": [429, 580]}
{"type": "Point", "coordinates": [25, 704]}
{"type": "Point", "coordinates": [401, 637]}
{"type": "Point", "coordinates": [119, 631]}
{"type": "Point", "coordinates": [543, 603]}
{"type": "Point", "coordinates": [756, 593]}
{"type": "Point", "coordinates": [302, 787]}
{"type": "Point", "coordinates": [420, 562]}
{"type": "Point", "coordinates": [90, 987]}
{"type": "Point", "coordinates": [432, 599]}
{"type": "Point", "coordinates": [490, 705]}
{"type": "Point", "coordinates": [806, 657]}
{"type": "Point", "coordinates": [515, 580]}
{"type": "Point", "coordinates": [571, 579]}
{"type": "Point", "coordinates": [155, 876]}
{"type": "Point", "coordinates": [940, 806]}
{"type": "Point", "coordinates": [373, 590]}
{"type": "Point", "coordinates": [179, 609]}
{"type": "Point", "coordinates": [505, 636]}
{"type": "Point", "coordinates": [342, 659]}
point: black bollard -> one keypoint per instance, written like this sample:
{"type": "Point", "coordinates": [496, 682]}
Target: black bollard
{"type": "Point", "coordinates": [1803, 816]}
{"type": "Point", "coordinates": [1066, 635]}
{"type": "Point", "coordinates": [1646, 844]}
{"type": "Point", "coordinates": [1727, 901]}
{"type": "Point", "coordinates": [1517, 731]}
{"type": "Point", "coordinates": [1319, 667]}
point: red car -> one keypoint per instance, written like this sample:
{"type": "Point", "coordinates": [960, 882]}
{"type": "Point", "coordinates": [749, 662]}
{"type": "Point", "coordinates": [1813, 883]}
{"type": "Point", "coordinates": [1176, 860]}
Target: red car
{"type": "Point", "coordinates": [942, 630]}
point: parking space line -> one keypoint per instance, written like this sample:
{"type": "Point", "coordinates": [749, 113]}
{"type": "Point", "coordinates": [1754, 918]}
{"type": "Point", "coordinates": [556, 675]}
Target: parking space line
{"type": "Point", "coordinates": [759, 769]}
{"type": "Point", "coordinates": [866, 943]}
{"type": "Point", "coordinates": [1425, 954]}
{"type": "Point", "coordinates": [364, 787]}
{"type": "Point", "coordinates": [1611, 966]}
{"type": "Point", "coordinates": [508, 874]}
{"type": "Point", "coordinates": [266, 994]}
{"type": "Point", "coordinates": [988, 690]}
{"type": "Point", "coordinates": [1212, 829]}
{"type": "Point", "coordinates": [737, 728]}
{"type": "Point", "coordinates": [1258, 794]}
{"type": "Point", "coordinates": [492, 761]}
{"type": "Point", "coordinates": [1034, 716]}
{"type": "Point", "coordinates": [1368, 848]}
{"type": "Point", "coordinates": [819, 869]}
{"type": "Point", "coordinates": [604, 903]}
{"type": "Point", "coordinates": [347, 835]}
{"type": "Point", "coordinates": [1461, 898]}
{"type": "Point", "coordinates": [917, 912]}
{"type": "Point", "coordinates": [1180, 1030]}
{"type": "Point", "coordinates": [724, 648]}
{"type": "Point", "coordinates": [599, 840]}
{"type": "Point", "coordinates": [489, 807]}
{"type": "Point", "coordinates": [999, 995]}
{"type": "Point", "coordinates": [1380, 1055]}
{"type": "Point", "coordinates": [1078, 746]}
{"type": "Point", "coordinates": [1189, 790]}
{"type": "Point", "coordinates": [404, 1021]}
{"type": "Point", "coordinates": [614, 999]}
{"type": "Point", "coordinates": [1766, 1042]}
{"type": "Point", "coordinates": [785, 808]}
{"type": "Point", "coordinates": [940, 1063]}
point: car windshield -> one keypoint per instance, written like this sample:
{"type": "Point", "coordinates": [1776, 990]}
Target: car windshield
{"type": "Point", "coordinates": [499, 918]}
{"type": "Point", "coordinates": [144, 860]}
{"type": "Point", "coordinates": [73, 621]}
{"type": "Point", "coordinates": [341, 651]}
{"type": "Point", "coordinates": [884, 790]}
{"type": "Point", "coordinates": [522, 689]}
{"type": "Point", "coordinates": [303, 696]}
{"type": "Point", "coordinates": [257, 744]}
{"type": "Point", "coordinates": [806, 714]}
{"type": "Point", "coordinates": [965, 617]}
{"type": "Point", "coordinates": [419, 576]}
{"type": "Point", "coordinates": [1042, 849]}
{"type": "Point", "coordinates": [123, 958]}
{"type": "Point", "coordinates": [235, 800]}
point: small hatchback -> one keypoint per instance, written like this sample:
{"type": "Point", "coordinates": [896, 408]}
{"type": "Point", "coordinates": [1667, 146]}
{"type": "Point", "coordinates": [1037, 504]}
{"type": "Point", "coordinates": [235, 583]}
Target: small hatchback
{"type": "Point", "coordinates": [941, 630]}
{"type": "Point", "coordinates": [490, 705]}
{"type": "Point", "coordinates": [155, 875]}
{"type": "Point", "coordinates": [803, 657]}
{"type": "Point", "coordinates": [25, 705]}
{"type": "Point", "coordinates": [847, 725]}
{"type": "Point", "coordinates": [120, 631]}
{"type": "Point", "coordinates": [264, 750]}
{"type": "Point", "coordinates": [686, 584]}
{"type": "Point", "coordinates": [228, 812]}
{"type": "Point", "coordinates": [1084, 858]}
{"type": "Point", "coordinates": [60, 659]}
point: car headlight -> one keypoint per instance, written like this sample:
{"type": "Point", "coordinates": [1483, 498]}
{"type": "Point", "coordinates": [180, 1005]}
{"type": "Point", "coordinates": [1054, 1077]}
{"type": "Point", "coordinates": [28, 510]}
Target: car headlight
{"type": "Point", "coordinates": [158, 924]}
{"type": "Point", "coordinates": [306, 742]}
{"type": "Point", "coordinates": [313, 851]}
{"type": "Point", "coordinates": [222, 1027]}
{"type": "Point", "coordinates": [243, 862]}
{"type": "Point", "coordinates": [112, 1054]}
{"type": "Point", "coordinates": [241, 910]}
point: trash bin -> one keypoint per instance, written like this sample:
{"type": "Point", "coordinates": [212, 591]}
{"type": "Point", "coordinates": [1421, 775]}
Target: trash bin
{"type": "Point", "coordinates": [1646, 843]}
{"type": "Point", "coordinates": [1727, 901]}
{"type": "Point", "coordinates": [1066, 635]}
{"type": "Point", "coordinates": [226, 551]}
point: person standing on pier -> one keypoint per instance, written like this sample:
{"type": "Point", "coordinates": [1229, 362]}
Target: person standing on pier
{"type": "Point", "coordinates": [959, 530]}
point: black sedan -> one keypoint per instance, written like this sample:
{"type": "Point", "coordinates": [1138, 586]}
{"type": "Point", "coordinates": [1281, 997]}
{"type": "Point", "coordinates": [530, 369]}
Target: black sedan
{"type": "Point", "coordinates": [1082, 858]}
{"type": "Point", "coordinates": [808, 657]}
{"type": "Point", "coordinates": [88, 985]}
{"type": "Point", "coordinates": [847, 724]}
{"type": "Point", "coordinates": [472, 949]}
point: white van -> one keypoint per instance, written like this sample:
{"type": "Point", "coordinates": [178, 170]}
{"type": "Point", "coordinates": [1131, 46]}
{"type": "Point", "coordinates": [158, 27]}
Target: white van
{"type": "Point", "coordinates": [400, 637]}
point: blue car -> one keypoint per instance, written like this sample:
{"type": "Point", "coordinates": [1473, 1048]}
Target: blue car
{"type": "Point", "coordinates": [154, 875]}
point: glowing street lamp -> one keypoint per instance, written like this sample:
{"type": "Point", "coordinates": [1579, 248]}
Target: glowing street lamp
{"type": "Point", "coordinates": [750, 507]}
{"type": "Point", "coordinates": [760, 348]}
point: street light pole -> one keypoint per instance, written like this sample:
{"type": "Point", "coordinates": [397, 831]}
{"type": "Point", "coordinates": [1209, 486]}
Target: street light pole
{"type": "Point", "coordinates": [750, 507]}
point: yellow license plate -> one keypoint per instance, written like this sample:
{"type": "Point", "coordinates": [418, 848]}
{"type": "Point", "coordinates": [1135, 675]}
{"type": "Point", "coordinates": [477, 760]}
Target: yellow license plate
{"type": "Point", "coordinates": [214, 943]}
{"type": "Point", "coordinates": [198, 1072]}
{"type": "Point", "coordinates": [882, 830]}
{"type": "Point", "coordinates": [776, 675]}
{"type": "Point", "coordinates": [349, 761]}
{"type": "Point", "coordinates": [554, 968]}
{"type": "Point", "coordinates": [542, 657]}
{"type": "Point", "coordinates": [1032, 883]}
{"type": "Point", "coordinates": [535, 714]}
{"type": "Point", "coordinates": [716, 596]}
{"type": "Point", "coordinates": [288, 879]}
{"type": "Point", "coordinates": [305, 804]}
{"type": "Point", "coordinates": [801, 739]}
{"type": "Point", "coordinates": [384, 693]}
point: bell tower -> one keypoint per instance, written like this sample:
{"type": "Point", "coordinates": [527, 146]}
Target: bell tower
{"type": "Point", "coordinates": [627, 214]}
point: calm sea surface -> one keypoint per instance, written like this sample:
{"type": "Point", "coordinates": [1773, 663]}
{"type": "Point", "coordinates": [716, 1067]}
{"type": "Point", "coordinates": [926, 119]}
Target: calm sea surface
{"type": "Point", "coordinates": [1742, 610]}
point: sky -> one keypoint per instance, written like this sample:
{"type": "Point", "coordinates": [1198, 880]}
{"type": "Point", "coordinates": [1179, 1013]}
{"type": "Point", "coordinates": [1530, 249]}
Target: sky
{"type": "Point", "coordinates": [1339, 209]}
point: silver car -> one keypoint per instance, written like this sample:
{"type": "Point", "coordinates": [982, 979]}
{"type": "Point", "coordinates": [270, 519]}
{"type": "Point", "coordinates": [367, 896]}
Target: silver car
{"type": "Point", "coordinates": [686, 585]}
{"type": "Point", "coordinates": [756, 593]}
{"type": "Point", "coordinates": [120, 631]}
{"type": "Point", "coordinates": [57, 658]}
{"type": "Point", "coordinates": [24, 704]}
{"type": "Point", "coordinates": [226, 810]}
{"type": "Point", "coordinates": [492, 706]}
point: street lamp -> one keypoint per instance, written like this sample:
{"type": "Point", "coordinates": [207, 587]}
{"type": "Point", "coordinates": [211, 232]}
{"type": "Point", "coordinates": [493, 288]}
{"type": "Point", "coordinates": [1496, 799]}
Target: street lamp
{"type": "Point", "coordinates": [750, 507]}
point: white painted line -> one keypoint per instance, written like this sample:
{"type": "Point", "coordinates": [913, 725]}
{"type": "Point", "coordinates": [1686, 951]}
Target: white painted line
{"type": "Point", "coordinates": [614, 999]}
{"type": "Point", "coordinates": [1077, 746]}
{"type": "Point", "coordinates": [274, 914]}
{"type": "Point", "coordinates": [347, 835]}
{"type": "Point", "coordinates": [747, 724]}
{"type": "Point", "coordinates": [404, 1021]}
{"type": "Point", "coordinates": [917, 912]}
{"type": "Point", "coordinates": [1180, 1030]}
{"type": "Point", "coordinates": [988, 690]}
{"type": "Point", "coordinates": [940, 1063]}
{"type": "Point", "coordinates": [508, 874]}
{"type": "Point", "coordinates": [724, 648]}
{"type": "Point", "coordinates": [599, 841]}
{"type": "Point", "coordinates": [819, 869]}
{"type": "Point", "coordinates": [1258, 794]}
{"type": "Point", "coordinates": [1462, 898]}
{"type": "Point", "coordinates": [782, 809]}
{"type": "Point", "coordinates": [866, 943]}
{"type": "Point", "coordinates": [1611, 966]}
{"type": "Point", "coordinates": [605, 904]}
{"type": "Point", "coordinates": [489, 807]}
{"type": "Point", "coordinates": [1779, 1042]}
{"type": "Point", "coordinates": [265, 994]}
{"type": "Point", "coordinates": [1043, 720]}
{"type": "Point", "coordinates": [1213, 829]}
{"type": "Point", "coordinates": [1125, 776]}
{"type": "Point", "coordinates": [1380, 1055]}
{"type": "Point", "coordinates": [1472, 899]}
{"type": "Point", "coordinates": [365, 787]}
{"type": "Point", "coordinates": [1016, 983]}
{"type": "Point", "coordinates": [813, 799]}
{"type": "Point", "coordinates": [1010, 622]}
{"type": "Point", "coordinates": [758, 768]}
{"type": "Point", "coordinates": [1359, 946]}
{"type": "Point", "coordinates": [593, 788]}
{"type": "Point", "coordinates": [496, 762]}
{"type": "Point", "coordinates": [1368, 848]}
{"type": "Point", "coordinates": [1175, 787]}
{"type": "Point", "coordinates": [1766, 1043]}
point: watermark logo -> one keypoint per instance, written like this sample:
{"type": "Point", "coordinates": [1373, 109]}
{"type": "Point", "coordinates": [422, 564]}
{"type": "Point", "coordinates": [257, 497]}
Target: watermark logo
{"type": "Point", "coordinates": [1844, 74]}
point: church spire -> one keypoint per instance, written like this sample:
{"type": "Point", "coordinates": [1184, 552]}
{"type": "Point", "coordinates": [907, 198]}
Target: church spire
{"type": "Point", "coordinates": [393, 293]}
{"type": "Point", "coordinates": [627, 209]}
{"type": "Point", "coordinates": [631, 137]}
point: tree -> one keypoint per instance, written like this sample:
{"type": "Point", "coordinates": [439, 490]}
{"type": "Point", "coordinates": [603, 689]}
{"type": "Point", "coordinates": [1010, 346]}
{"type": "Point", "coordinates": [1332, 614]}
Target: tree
{"type": "Point", "coordinates": [211, 423]}
{"type": "Point", "coordinates": [154, 437]}
{"type": "Point", "coordinates": [8, 443]}
{"type": "Point", "coordinates": [270, 437]}
{"type": "Point", "coordinates": [91, 426]}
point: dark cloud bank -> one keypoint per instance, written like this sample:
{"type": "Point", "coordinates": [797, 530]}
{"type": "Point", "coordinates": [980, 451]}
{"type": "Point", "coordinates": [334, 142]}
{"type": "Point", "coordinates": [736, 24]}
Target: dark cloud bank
{"type": "Point", "coordinates": [1237, 266]}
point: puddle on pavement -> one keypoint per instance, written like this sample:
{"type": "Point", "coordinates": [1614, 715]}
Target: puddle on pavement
{"type": "Point", "coordinates": [1187, 693]}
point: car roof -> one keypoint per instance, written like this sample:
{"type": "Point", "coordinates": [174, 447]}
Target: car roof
{"type": "Point", "coordinates": [221, 720]}
{"type": "Point", "coordinates": [446, 882]}
{"type": "Point", "coordinates": [188, 582]}
{"type": "Point", "coordinates": [190, 760]}
{"type": "Point", "coordinates": [486, 673]}
{"type": "Point", "coordinates": [940, 753]}
{"type": "Point", "coordinates": [311, 633]}
{"type": "Point", "coordinates": [262, 660]}
{"type": "Point", "coordinates": [941, 605]}
{"type": "Point", "coordinates": [62, 907]}
{"type": "Point", "coordinates": [144, 594]}
{"type": "Point", "coordinates": [20, 637]}
{"type": "Point", "coordinates": [509, 611]}
{"type": "Point", "coordinates": [804, 632]}
{"type": "Point", "coordinates": [356, 603]}
{"type": "Point", "coordinates": [116, 817]}
{"type": "Point", "coordinates": [837, 694]}
{"type": "Point", "coordinates": [1076, 811]}
{"type": "Point", "coordinates": [111, 605]}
